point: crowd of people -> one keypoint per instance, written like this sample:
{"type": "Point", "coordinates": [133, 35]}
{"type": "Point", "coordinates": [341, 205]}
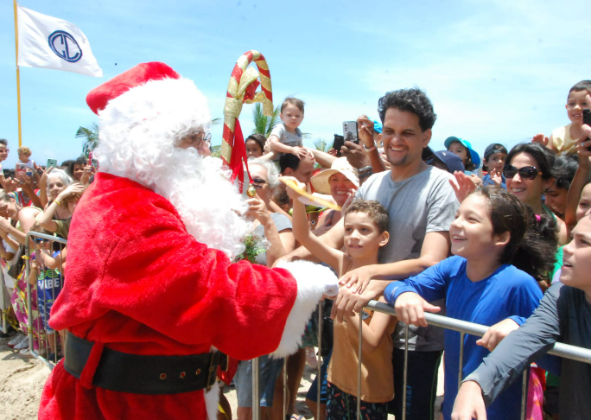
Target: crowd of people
{"type": "Point", "coordinates": [40, 199]}
{"type": "Point", "coordinates": [499, 238]}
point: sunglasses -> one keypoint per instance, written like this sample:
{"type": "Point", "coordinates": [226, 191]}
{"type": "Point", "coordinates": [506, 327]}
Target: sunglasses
{"type": "Point", "coordinates": [527, 172]}
{"type": "Point", "coordinates": [258, 182]}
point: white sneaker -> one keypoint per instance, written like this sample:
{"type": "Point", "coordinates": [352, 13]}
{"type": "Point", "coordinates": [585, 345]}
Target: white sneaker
{"type": "Point", "coordinates": [15, 340]}
{"type": "Point", "coordinates": [23, 344]}
{"type": "Point", "coordinates": [26, 352]}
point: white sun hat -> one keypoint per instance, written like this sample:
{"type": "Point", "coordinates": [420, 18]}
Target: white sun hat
{"type": "Point", "coordinates": [320, 181]}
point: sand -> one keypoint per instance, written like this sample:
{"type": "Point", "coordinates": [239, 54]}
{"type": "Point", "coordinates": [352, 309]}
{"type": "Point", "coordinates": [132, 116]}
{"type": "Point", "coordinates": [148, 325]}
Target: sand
{"type": "Point", "coordinates": [21, 382]}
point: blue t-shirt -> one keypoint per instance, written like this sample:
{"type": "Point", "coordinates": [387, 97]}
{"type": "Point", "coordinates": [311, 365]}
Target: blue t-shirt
{"type": "Point", "coordinates": [488, 181]}
{"type": "Point", "coordinates": [507, 293]}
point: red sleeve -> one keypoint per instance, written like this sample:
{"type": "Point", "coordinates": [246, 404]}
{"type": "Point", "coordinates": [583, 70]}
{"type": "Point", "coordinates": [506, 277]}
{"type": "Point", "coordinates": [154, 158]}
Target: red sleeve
{"type": "Point", "coordinates": [141, 263]}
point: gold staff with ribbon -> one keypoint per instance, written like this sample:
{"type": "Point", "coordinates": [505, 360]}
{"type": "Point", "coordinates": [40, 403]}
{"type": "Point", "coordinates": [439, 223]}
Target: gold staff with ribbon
{"type": "Point", "coordinates": [242, 89]}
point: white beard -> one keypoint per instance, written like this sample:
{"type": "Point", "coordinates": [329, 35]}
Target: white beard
{"type": "Point", "coordinates": [198, 187]}
{"type": "Point", "coordinates": [207, 202]}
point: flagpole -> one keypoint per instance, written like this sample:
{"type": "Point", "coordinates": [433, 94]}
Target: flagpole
{"type": "Point", "coordinates": [18, 78]}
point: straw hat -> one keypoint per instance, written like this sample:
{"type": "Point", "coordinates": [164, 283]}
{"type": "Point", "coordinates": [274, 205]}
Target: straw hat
{"type": "Point", "coordinates": [340, 165]}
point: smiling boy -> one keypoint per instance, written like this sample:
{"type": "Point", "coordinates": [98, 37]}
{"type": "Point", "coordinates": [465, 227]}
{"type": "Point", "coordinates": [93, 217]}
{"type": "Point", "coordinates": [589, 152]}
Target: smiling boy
{"type": "Point", "coordinates": [563, 139]}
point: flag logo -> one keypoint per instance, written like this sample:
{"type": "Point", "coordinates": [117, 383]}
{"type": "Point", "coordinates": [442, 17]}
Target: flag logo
{"type": "Point", "coordinates": [65, 46]}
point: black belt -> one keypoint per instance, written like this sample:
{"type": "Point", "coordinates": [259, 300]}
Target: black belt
{"type": "Point", "coordinates": [137, 374]}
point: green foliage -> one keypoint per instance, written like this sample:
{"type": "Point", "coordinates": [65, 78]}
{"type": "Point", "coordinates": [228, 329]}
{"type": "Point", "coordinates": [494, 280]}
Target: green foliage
{"type": "Point", "coordinates": [90, 136]}
{"type": "Point", "coordinates": [263, 124]}
{"type": "Point", "coordinates": [322, 145]}
{"type": "Point", "coordinates": [255, 245]}
{"type": "Point", "coordinates": [216, 151]}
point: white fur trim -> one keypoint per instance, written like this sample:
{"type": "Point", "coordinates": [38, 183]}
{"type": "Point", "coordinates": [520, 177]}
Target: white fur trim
{"type": "Point", "coordinates": [211, 401]}
{"type": "Point", "coordinates": [313, 281]}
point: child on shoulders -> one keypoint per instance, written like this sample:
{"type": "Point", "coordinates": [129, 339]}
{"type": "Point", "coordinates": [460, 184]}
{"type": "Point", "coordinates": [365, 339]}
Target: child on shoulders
{"type": "Point", "coordinates": [24, 156]}
{"type": "Point", "coordinates": [563, 139]}
{"type": "Point", "coordinates": [286, 137]}
{"type": "Point", "coordinates": [366, 231]}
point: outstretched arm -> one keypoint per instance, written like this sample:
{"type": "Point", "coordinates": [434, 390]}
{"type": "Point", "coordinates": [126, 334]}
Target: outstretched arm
{"type": "Point", "coordinates": [350, 298]}
{"type": "Point", "coordinates": [505, 364]}
{"type": "Point", "coordinates": [579, 180]}
{"type": "Point", "coordinates": [310, 241]}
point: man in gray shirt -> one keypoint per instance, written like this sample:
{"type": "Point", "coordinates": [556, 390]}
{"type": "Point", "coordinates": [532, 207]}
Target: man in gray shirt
{"type": "Point", "coordinates": [421, 204]}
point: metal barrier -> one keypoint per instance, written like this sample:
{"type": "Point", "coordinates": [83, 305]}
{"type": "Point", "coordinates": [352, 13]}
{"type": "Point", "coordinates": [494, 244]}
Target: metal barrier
{"type": "Point", "coordinates": [37, 334]}
{"type": "Point", "coordinates": [567, 351]}
{"type": "Point", "coordinates": [3, 323]}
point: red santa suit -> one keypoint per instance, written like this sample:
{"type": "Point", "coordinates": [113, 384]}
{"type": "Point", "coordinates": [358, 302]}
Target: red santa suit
{"type": "Point", "coordinates": [139, 283]}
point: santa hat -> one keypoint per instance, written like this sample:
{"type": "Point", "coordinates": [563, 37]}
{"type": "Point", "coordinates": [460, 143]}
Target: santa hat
{"type": "Point", "coordinates": [99, 97]}
{"type": "Point", "coordinates": [151, 99]}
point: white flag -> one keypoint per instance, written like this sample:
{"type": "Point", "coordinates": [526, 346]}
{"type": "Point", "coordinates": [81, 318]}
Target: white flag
{"type": "Point", "coordinates": [51, 43]}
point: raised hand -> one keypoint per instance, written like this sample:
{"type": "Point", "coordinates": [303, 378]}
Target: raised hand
{"type": "Point", "coordinates": [496, 177]}
{"type": "Point", "coordinates": [463, 186]}
{"type": "Point", "coordinates": [541, 139]}
{"type": "Point", "coordinates": [365, 129]}
{"type": "Point", "coordinates": [291, 193]}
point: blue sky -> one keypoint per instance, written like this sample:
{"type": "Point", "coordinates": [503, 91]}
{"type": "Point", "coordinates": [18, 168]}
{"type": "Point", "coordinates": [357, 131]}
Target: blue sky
{"type": "Point", "coordinates": [496, 71]}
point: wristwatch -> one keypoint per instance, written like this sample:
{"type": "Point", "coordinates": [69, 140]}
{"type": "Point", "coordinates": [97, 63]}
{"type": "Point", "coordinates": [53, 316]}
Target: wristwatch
{"type": "Point", "coordinates": [365, 171]}
{"type": "Point", "coordinates": [369, 149]}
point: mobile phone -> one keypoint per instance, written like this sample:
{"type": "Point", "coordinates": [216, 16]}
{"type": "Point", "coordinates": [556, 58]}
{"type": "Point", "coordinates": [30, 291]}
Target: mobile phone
{"type": "Point", "coordinates": [21, 167]}
{"type": "Point", "coordinates": [29, 173]}
{"type": "Point", "coordinates": [91, 161]}
{"type": "Point", "coordinates": [338, 142]}
{"type": "Point", "coordinates": [51, 163]}
{"type": "Point", "coordinates": [350, 132]}
{"type": "Point", "coordinates": [587, 120]}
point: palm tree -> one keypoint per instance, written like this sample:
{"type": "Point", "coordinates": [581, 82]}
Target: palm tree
{"type": "Point", "coordinates": [90, 136]}
{"type": "Point", "coordinates": [322, 145]}
{"type": "Point", "coordinates": [263, 124]}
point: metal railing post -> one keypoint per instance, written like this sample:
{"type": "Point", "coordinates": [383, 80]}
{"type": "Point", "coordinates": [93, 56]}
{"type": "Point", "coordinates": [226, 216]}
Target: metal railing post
{"type": "Point", "coordinates": [28, 292]}
{"type": "Point", "coordinates": [256, 399]}
{"type": "Point", "coordinates": [405, 372]}
{"type": "Point", "coordinates": [360, 355]}
{"type": "Point", "coordinates": [319, 360]}
{"type": "Point", "coordinates": [461, 365]}
{"type": "Point", "coordinates": [3, 326]}
{"type": "Point", "coordinates": [284, 387]}
{"type": "Point", "coordinates": [524, 393]}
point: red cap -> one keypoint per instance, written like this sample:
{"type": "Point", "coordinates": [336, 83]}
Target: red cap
{"type": "Point", "coordinates": [99, 97]}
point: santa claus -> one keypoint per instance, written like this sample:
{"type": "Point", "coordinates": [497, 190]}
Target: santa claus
{"type": "Point", "coordinates": [151, 295]}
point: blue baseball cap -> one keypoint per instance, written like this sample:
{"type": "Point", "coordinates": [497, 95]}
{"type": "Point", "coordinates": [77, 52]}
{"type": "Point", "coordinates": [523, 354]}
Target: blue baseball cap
{"type": "Point", "coordinates": [449, 159]}
{"type": "Point", "coordinates": [377, 127]}
{"type": "Point", "coordinates": [475, 157]}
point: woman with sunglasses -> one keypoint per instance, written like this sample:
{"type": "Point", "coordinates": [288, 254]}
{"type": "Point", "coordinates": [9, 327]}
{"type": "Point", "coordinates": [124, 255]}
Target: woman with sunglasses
{"type": "Point", "coordinates": [275, 228]}
{"type": "Point", "coordinates": [528, 173]}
